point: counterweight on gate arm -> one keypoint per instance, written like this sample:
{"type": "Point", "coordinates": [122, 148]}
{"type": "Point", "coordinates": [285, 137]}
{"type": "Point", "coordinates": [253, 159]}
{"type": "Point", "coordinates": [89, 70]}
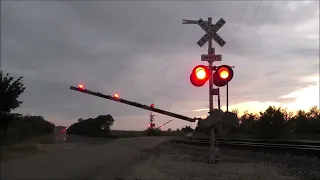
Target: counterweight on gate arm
{"type": "Point", "coordinates": [142, 106]}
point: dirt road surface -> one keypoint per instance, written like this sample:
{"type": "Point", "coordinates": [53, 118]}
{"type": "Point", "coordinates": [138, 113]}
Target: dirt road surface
{"type": "Point", "coordinates": [142, 158]}
{"type": "Point", "coordinates": [107, 161]}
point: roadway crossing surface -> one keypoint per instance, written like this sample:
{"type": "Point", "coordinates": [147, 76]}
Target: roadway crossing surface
{"type": "Point", "coordinates": [105, 160]}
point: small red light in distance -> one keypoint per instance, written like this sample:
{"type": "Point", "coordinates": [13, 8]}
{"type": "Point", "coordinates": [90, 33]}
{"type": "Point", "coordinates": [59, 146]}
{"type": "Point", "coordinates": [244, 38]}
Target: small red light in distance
{"type": "Point", "coordinates": [116, 95]}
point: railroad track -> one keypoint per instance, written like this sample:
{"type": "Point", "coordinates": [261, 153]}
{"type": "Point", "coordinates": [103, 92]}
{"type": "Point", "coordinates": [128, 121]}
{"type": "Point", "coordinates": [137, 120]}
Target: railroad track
{"type": "Point", "coordinates": [301, 148]}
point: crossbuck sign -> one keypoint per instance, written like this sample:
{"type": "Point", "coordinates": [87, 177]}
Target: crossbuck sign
{"type": "Point", "coordinates": [211, 32]}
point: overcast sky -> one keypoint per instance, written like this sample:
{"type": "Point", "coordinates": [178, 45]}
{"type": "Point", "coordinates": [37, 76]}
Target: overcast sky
{"type": "Point", "coordinates": [142, 51]}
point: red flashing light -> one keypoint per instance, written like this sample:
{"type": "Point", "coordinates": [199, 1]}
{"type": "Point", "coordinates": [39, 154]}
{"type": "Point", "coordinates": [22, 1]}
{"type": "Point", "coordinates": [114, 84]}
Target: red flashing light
{"type": "Point", "coordinates": [116, 96]}
{"type": "Point", "coordinates": [222, 75]}
{"type": "Point", "coordinates": [199, 75]}
{"type": "Point", "coordinates": [152, 105]}
{"type": "Point", "coordinates": [81, 86]}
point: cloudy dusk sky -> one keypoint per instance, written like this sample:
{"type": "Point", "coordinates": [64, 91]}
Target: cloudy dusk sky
{"type": "Point", "coordinates": [142, 51]}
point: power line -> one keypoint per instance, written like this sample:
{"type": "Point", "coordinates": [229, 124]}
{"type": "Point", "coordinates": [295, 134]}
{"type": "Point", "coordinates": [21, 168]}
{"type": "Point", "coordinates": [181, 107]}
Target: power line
{"type": "Point", "coordinates": [265, 15]}
{"type": "Point", "coordinates": [243, 12]}
{"type": "Point", "coordinates": [254, 15]}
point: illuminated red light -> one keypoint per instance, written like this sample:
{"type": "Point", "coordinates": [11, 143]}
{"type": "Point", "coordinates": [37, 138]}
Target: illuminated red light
{"type": "Point", "coordinates": [201, 73]}
{"type": "Point", "coordinates": [81, 86]}
{"type": "Point", "coordinates": [116, 95]}
{"type": "Point", "coordinates": [224, 73]}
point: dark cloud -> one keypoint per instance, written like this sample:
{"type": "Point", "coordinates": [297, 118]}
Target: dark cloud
{"type": "Point", "coordinates": [143, 52]}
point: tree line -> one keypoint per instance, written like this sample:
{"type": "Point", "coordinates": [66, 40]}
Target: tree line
{"type": "Point", "coordinates": [275, 123]}
{"type": "Point", "coordinates": [99, 126]}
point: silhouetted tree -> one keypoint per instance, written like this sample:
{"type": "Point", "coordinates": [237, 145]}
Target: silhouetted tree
{"type": "Point", "coordinates": [23, 127]}
{"type": "Point", "coordinates": [10, 90]}
{"type": "Point", "coordinates": [99, 126]}
{"type": "Point", "coordinates": [248, 123]}
{"type": "Point", "coordinates": [187, 129]}
{"type": "Point", "coordinates": [271, 123]}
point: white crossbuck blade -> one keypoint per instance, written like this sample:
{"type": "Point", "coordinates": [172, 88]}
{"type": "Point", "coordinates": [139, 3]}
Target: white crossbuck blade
{"type": "Point", "coordinates": [211, 32]}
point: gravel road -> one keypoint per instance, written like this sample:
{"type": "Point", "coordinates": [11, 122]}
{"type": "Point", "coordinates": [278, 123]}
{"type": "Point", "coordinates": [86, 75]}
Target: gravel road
{"type": "Point", "coordinates": [102, 161]}
{"type": "Point", "coordinates": [180, 161]}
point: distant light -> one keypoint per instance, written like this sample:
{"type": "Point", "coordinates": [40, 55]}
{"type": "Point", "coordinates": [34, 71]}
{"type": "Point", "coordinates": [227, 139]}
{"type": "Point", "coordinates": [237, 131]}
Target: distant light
{"type": "Point", "coordinates": [116, 95]}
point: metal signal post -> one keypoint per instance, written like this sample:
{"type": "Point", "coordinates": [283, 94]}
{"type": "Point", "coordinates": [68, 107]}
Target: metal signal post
{"type": "Point", "coordinates": [211, 33]}
{"type": "Point", "coordinates": [210, 67]}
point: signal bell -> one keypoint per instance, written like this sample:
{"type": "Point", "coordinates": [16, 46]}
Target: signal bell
{"type": "Point", "coordinates": [199, 75]}
{"type": "Point", "coordinates": [222, 75]}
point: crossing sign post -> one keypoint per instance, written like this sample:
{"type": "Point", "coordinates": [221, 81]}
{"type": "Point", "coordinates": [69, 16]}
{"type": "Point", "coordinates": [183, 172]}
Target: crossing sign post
{"type": "Point", "coordinates": [211, 33]}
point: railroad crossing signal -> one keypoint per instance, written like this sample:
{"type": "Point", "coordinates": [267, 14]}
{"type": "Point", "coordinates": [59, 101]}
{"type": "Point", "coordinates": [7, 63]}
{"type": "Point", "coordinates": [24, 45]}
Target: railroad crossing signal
{"type": "Point", "coordinates": [222, 75]}
{"type": "Point", "coordinates": [199, 75]}
{"type": "Point", "coordinates": [211, 32]}
{"type": "Point", "coordinates": [201, 78]}
{"type": "Point", "coordinates": [151, 125]}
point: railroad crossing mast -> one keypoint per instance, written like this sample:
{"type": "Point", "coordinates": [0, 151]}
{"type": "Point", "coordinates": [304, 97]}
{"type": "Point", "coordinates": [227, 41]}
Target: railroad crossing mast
{"type": "Point", "coordinates": [200, 78]}
{"type": "Point", "coordinates": [151, 119]}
